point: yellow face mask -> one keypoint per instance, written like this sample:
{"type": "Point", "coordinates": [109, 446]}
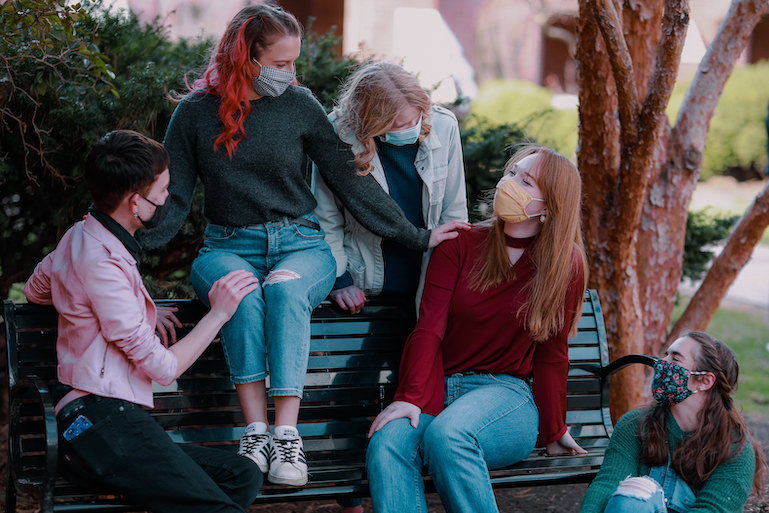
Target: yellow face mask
{"type": "Point", "coordinates": [510, 202]}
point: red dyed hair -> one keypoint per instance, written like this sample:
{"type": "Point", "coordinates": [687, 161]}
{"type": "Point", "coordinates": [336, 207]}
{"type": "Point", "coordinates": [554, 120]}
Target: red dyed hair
{"type": "Point", "coordinates": [228, 75]}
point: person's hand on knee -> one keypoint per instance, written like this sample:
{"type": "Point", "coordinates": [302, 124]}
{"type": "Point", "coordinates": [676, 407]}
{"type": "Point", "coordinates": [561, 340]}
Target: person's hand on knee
{"type": "Point", "coordinates": [228, 291]}
{"type": "Point", "coordinates": [396, 410]}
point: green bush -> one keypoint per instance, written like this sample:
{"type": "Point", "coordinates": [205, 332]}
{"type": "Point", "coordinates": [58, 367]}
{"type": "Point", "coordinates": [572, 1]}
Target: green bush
{"type": "Point", "coordinates": [529, 106]}
{"type": "Point", "coordinates": [704, 229]}
{"type": "Point", "coordinates": [75, 73]}
{"type": "Point", "coordinates": [319, 67]}
{"type": "Point", "coordinates": [72, 74]}
{"type": "Point", "coordinates": [736, 142]}
{"type": "Point", "coordinates": [486, 148]}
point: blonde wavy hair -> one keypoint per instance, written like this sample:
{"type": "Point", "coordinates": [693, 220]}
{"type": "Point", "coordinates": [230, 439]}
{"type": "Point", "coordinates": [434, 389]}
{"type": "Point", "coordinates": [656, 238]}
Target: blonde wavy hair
{"type": "Point", "coordinates": [370, 101]}
{"type": "Point", "coordinates": [553, 251]}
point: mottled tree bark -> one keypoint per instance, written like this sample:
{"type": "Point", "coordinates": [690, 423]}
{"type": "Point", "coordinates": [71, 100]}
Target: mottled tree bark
{"type": "Point", "coordinates": [638, 173]}
{"type": "Point", "coordinates": [666, 209]}
{"type": "Point", "coordinates": [616, 273]}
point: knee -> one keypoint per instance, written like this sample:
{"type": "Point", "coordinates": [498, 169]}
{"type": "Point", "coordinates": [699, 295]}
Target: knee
{"type": "Point", "coordinates": [283, 285]}
{"type": "Point", "coordinates": [251, 306]}
{"type": "Point", "coordinates": [643, 487]}
{"type": "Point", "coordinates": [247, 483]}
{"type": "Point", "coordinates": [637, 495]}
{"type": "Point", "coordinates": [393, 443]}
{"type": "Point", "coordinates": [443, 436]}
{"type": "Point", "coordinates": [381, 448]}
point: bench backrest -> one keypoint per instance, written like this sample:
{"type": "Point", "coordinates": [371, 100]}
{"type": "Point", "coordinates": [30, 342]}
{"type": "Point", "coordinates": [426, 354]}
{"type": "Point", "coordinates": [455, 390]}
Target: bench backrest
{"type": "Point", "coordinates": [351, 376]}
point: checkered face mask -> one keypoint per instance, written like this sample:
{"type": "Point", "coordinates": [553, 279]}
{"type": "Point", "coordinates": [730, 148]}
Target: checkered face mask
{"type": "Point", "coordinates": [272, 81]}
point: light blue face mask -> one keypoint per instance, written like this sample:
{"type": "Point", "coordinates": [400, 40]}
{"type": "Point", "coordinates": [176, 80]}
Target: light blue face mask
{"type": "Point", "coordinates": [405, 136]}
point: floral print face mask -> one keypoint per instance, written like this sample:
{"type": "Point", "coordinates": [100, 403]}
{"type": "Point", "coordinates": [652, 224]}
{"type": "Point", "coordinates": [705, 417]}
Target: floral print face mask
{"type": "Point", "coordinates": [670, 383]}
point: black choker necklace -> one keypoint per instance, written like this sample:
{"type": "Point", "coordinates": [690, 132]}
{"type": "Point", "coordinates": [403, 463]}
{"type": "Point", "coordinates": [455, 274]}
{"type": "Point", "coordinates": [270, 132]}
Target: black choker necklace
{"type": "Point", "coordinates": [519, 243]}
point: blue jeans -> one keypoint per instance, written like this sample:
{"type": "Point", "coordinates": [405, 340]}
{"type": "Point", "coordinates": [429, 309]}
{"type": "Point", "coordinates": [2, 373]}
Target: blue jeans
{"type": "Point", "coordinates": [669, 494]}
{"type": "Point", "coordinates": [125, 450]}
{"type": "Point", "coordinates": [271, 327]}
{"type": "Point", "coordinates": [490, 421]}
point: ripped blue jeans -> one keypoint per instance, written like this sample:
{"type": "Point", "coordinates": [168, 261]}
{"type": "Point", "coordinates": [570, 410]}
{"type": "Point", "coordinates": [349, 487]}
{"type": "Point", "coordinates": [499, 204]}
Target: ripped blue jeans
{"type": "Point", "coordinates": [271, 327]}
{"type": "Point", "coordinates": [662, 491]}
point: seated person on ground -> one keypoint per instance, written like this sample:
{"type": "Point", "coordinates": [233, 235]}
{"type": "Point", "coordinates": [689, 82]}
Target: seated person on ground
{"type": "Point", "coordinates": [690, 450]}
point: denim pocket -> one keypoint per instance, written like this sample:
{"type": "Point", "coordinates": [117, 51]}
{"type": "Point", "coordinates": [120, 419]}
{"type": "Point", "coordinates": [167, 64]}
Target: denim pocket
{"type": "Point", "coordinates": [95, 451]}
{"type": "Point", "coordinates": [513, 382]}
{"type": "Point", "coordinates": [217, 232]}
{"type": "Point", "coordinates": [307, 233]}
{"type": "Point", "coordinates": [682, 499]}
{"type": "Point", "coordinates": [357, 270]}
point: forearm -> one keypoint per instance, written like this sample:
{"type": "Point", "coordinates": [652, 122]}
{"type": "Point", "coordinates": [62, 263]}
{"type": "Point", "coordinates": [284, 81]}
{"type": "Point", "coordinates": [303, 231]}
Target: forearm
{"type": "Point", "coordinates": [189, 349]}
{"type": "Point", "coordinates": [361, 195]}
{"type": "Point", "coordinates": [376, 210]}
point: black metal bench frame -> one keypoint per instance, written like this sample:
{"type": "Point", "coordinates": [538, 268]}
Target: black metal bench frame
{"type": "Point", "coordinates": [351, 376]}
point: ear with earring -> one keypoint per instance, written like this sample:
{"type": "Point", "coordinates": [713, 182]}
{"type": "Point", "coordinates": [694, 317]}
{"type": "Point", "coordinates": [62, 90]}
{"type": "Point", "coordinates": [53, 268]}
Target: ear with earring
{"type": "Point", "coordinates": [542, 218]}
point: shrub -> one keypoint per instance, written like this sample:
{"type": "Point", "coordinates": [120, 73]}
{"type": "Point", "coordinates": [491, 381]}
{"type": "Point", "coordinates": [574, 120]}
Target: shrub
{"type": "Point", "coordinates": [77, 72]}
{"type": "Point", "coordinates": [528, 106]}
{"type": "Point", "coordinates": [737, 138]}
{"type": "Point", "coordinates": [122, 74]}
{"type": "Point", "coordinates": [486, 148]}
{"type": "Point", "coordinates": [704, 229]}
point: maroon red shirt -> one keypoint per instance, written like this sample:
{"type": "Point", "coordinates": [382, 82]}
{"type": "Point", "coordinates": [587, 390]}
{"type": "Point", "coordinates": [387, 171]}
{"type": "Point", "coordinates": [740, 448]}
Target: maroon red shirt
{"type": "Point", "coordinates": [461, 330]}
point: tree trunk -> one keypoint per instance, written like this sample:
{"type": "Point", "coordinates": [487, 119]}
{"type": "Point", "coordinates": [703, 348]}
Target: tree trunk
{"type": "Point", "coordinates": [615, 191]}
{"type": "Point", "coordinates": [661, 239]}
{"type": "Point", "coordinates": [725, 267]}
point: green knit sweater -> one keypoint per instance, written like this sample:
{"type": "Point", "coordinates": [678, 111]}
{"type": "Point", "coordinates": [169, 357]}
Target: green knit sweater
{"type": "Point", "coordinates": [726, 491]}
{"type": "Point", "coordinates": [266, 178]}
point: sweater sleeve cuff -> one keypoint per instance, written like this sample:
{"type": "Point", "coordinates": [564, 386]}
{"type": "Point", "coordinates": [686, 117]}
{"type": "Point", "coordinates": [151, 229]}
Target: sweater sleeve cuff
{"type": "Point", "coordinates": [544, 439]}
{"type": "Point", "coordinates": [423, 240]}
{"type": "Point", "coordinates": [343, 281]}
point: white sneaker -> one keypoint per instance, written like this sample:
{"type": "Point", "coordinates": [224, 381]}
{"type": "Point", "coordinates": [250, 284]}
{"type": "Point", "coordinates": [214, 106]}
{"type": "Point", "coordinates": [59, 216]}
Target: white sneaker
{"type": "Point", "coordinates": [287, 463]}
{"type": "Point", "coordinates": [255, 445]}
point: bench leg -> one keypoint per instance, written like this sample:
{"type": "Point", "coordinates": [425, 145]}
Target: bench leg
{"type": "Point", "coordinates": [10, 494]}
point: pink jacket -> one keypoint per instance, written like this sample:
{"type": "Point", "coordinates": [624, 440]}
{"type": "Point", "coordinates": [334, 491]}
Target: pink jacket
{"type": "Point", "coordinates": [107, 343]}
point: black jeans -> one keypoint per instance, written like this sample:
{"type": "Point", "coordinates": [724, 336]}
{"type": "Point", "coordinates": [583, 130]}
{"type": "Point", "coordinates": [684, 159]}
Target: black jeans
{"type": "Point", "coordinates": [126, 451]}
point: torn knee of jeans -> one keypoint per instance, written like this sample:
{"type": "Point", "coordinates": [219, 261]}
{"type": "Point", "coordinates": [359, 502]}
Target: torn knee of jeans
{"type": "Point", "coordinates": [643, 487]}
{"type": "Point", "coordinates": [280, 276]}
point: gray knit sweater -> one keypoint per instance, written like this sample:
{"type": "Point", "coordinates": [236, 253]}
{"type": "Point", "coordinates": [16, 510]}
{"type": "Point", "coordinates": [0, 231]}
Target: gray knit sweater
{"type": "Point", "coordinates": [266, 178]}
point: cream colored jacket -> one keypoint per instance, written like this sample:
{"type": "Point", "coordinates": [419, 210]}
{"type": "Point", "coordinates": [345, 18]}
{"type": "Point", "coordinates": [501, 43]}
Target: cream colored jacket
{"type": "Point", "coordinates": [440, 166]}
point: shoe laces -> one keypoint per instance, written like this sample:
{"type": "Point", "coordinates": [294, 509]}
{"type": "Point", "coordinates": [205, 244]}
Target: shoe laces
{"type": "Point", "coordinates": [288, 449]}
{"type": "Point", "coordinates": [251, 443]}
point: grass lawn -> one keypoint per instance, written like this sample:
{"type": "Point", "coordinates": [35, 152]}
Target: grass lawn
{"type": "Point", "coordinates": [746, 331]}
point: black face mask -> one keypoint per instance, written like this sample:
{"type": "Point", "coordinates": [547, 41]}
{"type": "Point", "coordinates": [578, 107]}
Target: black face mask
{"type": "Point", "coordinates": [156, 218]}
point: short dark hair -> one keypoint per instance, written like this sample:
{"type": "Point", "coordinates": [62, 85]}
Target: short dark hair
{"type": "Point", "coordinates": [121, 162]}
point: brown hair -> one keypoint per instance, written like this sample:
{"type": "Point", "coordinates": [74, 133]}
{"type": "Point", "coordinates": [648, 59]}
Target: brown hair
{"type": "Point", "coordinates": [721, 432]}
{"type": "Point", "coordinates": [552, 253]}
{"type": "Point", "coordinates": [370, 101]}
{"type": "Point", "coordinates": [254, 29]}
{"type": "Point", "coordinates": [122, 162]}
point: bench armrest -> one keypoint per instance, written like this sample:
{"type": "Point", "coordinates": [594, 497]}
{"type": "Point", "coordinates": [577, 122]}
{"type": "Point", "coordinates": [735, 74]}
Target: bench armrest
{"type": "Point", "coordinates": [619, 363]}
{"type": "Point", "coordinates": [33, 390]}
{"type": "Point", "coordinates": [624, 361]}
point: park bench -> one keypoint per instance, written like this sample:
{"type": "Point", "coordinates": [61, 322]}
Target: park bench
{"type": "Point", "coordinates": [351, 377]}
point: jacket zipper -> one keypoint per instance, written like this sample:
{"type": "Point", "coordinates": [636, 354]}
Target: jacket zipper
{"type": "Point", "coordinates": [103, 361]}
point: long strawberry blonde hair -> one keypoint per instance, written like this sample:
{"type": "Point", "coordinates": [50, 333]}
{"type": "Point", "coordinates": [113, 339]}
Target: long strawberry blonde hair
{"type": "Point", "coordinates": [228, 75]}
{"type": "Point", "coordinates": [552, 253]}
{"type": "Point", "coordinates": [370, 101]}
